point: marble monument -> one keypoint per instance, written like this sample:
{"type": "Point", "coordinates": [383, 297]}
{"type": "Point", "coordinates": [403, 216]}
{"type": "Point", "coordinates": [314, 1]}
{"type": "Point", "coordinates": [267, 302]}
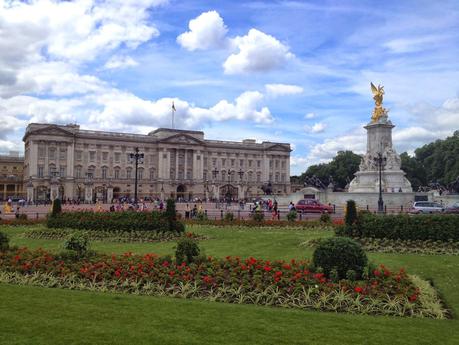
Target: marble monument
{"type": "Point", "coordinates": [379, 142]}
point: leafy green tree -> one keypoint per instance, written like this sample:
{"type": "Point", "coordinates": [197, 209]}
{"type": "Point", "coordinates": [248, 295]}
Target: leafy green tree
{"type": "Point", "coordinates": [342, 169]}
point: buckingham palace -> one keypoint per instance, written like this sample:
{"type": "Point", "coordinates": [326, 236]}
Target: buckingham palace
{"type": "Point", "coordinates": [71, 163]}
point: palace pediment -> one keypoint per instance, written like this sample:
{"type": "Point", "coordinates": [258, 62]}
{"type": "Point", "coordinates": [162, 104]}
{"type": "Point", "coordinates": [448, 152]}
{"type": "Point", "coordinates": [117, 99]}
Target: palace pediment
{"type": "Point", "coordinates": [278, 147]}
{"type": "Point", "coordinates": [181, 139]}
{"type": "Point", "coordinates": [51, 130]}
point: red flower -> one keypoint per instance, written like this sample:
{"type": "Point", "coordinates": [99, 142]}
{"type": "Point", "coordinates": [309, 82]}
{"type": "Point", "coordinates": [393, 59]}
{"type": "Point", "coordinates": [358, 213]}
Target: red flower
{"type": "Point", "coordinates": [358, 289]}
{"type": "Point", "coordinates": [243, 267]}
{"type": "Point", "coordinates": [207, 279]}
{"type": "Point", "coordinates": [318, 276]}
{"type": "Point", "coordinates": [117, 273]}
{"type": "Point", "coordinates": [376, 273]}
{"type": "Point", "coordinates": [166, 264]}
{"type": "Point", "coordinates": [286, 267]}
{"type": "Point", "coordinates": [413, 297]}
{"type": "Point", "coordinates": [171, 273]}
{"type": "Point", "coordinates": [267, 268]}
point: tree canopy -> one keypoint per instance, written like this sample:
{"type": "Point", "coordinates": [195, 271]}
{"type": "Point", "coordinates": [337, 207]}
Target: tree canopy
{"type": "Point", "coordinates": [431, 163]}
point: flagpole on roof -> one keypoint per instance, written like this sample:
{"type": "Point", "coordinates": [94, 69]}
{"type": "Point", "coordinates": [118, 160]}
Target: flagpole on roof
{"type": "Point", "coordinates": [173, 113]}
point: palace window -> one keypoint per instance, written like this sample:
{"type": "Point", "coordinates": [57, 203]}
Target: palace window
{"type": "Point", "coordinates": [232, 162]}
{"type": "Point", "coordinates": [241, 163]}
{"type": "Point", "coordinates": [40, 171]}
{"type": "Point", "coordinates": [152, 174]}
{"type": "Point", "coordinates": [214, 162]}
{"type": "Point", "coordinates": [62, 154]}
{"type": "Point", "coordinates": [128, 173]}
{"type": "Point", "coordinates": [62, 171]}
{"type": "Point", "coordinates": [258, 164]}
{"type": "Point", "coordinates": [117, 157]}
{"type": "Point", "coordinates": [250, 163]}
{"type": "Point", "coordinates": [277, 163]}
{"type": "Point", "coordinates": [117, 173]}
{"type": "Point", "coordinates": [283, 164]}
{"type": "Point", "coordinates": [78, 155]}
{"type": "Point", "coordinates": [140, 174]}
{"type": "Point", "coordinates": [41, 152]}
{"type": "Point", "coordinates": [188, 174]}
{"type": "Point", "coordinates": [78, 172]}
{"type": "Point", "coordinates": [52, 153]}
{"type": "Point", "coordinates": [223, 162]}
{"type": "Point", "coordinates": [92, 156]}
{"type": "Point", "coordinates": [258, 177]}
{"type": "Point", "coordinates": [104, 172]}
{"type": "Point", "coordinates": [283, 177]}
{"type": "Point", "coordinates": [104, 156]}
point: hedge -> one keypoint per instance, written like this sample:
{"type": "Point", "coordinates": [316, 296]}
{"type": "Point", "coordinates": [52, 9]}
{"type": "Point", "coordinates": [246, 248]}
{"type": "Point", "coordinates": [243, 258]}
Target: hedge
{"type": "Point", "coordinates": [441, 227]}
{"type": "Point", "coordinates": [115, 221]}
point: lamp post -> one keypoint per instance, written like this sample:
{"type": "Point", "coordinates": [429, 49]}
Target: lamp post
{"type": "Point", "coordinates": [136, 158]}
{"type": "Point", "coordinates": [229, 175]}
{"type": "Point", "coordinates": [214, 175]}
{"type": "Point", "coordinates": [380, 160]}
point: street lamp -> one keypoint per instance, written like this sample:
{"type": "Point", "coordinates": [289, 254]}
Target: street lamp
{"type": "Point", "coordinates": [136, 158]}
{"type": "Point", "coordinates": [215, 173]}
{"type": "Point", "coordinates": [229, 175]}
{"type": "Point", "coordinates": [380, 161]}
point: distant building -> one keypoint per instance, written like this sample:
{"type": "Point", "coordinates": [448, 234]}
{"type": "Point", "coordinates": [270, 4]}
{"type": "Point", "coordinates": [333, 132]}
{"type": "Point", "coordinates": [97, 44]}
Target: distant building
{"type": "Point", "coordinates": [72, 163]}
{"type": "Point", "coordinates": [11, 176]}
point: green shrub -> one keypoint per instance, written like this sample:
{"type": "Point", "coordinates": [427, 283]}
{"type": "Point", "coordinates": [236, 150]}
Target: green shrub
{"type": "Point", "coordinates": [4, 241]}
{"type": "Point", "coordinates": [57, 207]}
{"type": "Point", "coordinates": [441, 227]}
{"type": "Point", "coordinates": [201, 215]}
{"type": "Point", "coordinates": [342, 254]}
{"type": "Point", "coordinates": [187, 250]}
{"type": "Point", "coordinates": [229, 217]}
{"type": "Point", "coordinates": [77, 242]}
{"type": "Point", "coordinates": [258, 216]}
{"type": "Point", "coordinates": [171, 212]}
{"type": "Point", "coordinates": [325, 218]}
{"type": "Point", "coordinates": [116, 221]}
{"type": "Point", "coordinates": [292, 215]}
{"type": "Point", "coordinates": [351, 213]}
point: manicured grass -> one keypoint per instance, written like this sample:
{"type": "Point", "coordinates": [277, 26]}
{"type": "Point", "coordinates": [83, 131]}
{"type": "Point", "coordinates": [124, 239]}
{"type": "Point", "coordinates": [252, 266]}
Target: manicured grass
{"type": "Point", "coordinates": [33, 315]}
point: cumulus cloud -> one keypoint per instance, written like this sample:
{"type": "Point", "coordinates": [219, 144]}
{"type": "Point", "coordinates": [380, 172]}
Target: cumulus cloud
{"type": "Point", "coordinates": [129, 111]}
{"type": "Point", "coordinates": [116, 62]}
{"type": "Point", "coordinates": [257, 52]}
{"type": "Point", "coordinates": [318, 127]}
{"type": "Point", "coordinates": [309, 116]}
{"type": "Point", "coordinates": [206, 31]}
{"type": "Point", "coordinates": [275, 90]}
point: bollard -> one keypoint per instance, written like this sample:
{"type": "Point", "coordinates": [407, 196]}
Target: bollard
{"type": "Point", "coordinates": [385, 208]}
{"type": "Point", "coordinates": [221, 214]}
{"type": "Point", "coordinates": [401, 208]}
{"type": "Point", "coordinates": [301, 216]}
{"type": "Point", "coordinates": [368, 208]}
{"type": "Point", "coordinates": [334, 208]}
{"type": "Point", "coordinates": [239, 214]}
{"type": "Point", "coordinates": [205, 212]}
{"type": "Point", "coordinates": [37, 215]}
{"type": "Point", "coordinates": [278, 215]}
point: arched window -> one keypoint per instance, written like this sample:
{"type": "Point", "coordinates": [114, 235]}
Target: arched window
{"type": "Point", "coordinates": [117, 173]}
{"type": "Point", "coordinates": [140, 174]}
{"type": "Point", "coordinates": [128, 173]}
{"type": "Point", "coordinates": [152, 174]}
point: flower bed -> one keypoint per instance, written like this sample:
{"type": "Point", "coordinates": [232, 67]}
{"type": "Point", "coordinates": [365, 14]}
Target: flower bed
{"type": "Point", "coordinates": [256, 224]}
{"type": "Point", "coordinates": [111, 236]}
{"type": "Point", "coordinates": [384, 245]}
{"type": "Point", "coordinates": [234, 280]}
{"type": "Point", "coordinates": [21, 222]}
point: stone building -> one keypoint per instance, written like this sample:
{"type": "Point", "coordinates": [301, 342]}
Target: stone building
{"type": "Point", "coordinates": [72, 163]}
{"type": "Point", "coordinates": [11, 176]}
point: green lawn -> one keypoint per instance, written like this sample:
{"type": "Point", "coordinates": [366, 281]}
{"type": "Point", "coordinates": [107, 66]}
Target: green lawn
{"type": "Point", "coordinates": [33, 315]}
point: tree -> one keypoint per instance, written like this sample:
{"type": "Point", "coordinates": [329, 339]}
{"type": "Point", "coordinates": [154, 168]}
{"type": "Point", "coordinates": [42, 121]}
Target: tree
{"type": "Point", "coordinates": [341, 169]}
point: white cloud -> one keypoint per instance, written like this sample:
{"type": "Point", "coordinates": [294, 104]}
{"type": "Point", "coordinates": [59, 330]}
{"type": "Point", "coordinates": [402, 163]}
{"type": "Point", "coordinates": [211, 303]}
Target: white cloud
{"type": "Point", "coordinates": [318, 127]}
{"type": "Point", "coordinates": [120, 110]}
{"type": "Point", "coordinates": [275, 90]}
{"type": "Point", "coordinates": [257, 52]}
{"type": "Point", "coordinates": [309, 116]}
{"type": "Point", "coordinates": [120, 62]}
{"type": "Point", "coordinates": [206, 31]}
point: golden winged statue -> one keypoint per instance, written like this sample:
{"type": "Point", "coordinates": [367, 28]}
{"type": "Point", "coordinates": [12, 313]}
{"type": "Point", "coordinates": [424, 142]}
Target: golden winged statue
{"type": "Point", "coordinates": [378, 111]}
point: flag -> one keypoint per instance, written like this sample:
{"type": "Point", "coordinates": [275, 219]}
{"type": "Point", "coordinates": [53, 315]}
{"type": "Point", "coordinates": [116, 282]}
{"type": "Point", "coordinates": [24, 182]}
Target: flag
{"type": "Point", "coordinates": [173, 106]}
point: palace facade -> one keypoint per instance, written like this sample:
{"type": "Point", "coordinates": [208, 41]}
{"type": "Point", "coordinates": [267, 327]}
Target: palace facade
{"type": "Point", "coordinates": [72, 163]}
{"type": "Point", "coordinates": [11, 179]}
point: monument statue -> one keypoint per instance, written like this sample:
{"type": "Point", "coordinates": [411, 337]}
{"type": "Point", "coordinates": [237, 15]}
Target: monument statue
{"type": "Point", "coordinates": [379, 142]}
{"type": "Point", "coordinates": [378, 111]}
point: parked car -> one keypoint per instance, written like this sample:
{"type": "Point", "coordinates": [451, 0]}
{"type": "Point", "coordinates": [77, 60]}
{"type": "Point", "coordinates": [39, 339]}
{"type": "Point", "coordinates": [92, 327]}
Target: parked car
{"type": "Point", "coordinates": [312, 206]}
{"type": "Point", "coordinates": [454, 208]}
{"type": "Point", "coordinates": [427, 207]}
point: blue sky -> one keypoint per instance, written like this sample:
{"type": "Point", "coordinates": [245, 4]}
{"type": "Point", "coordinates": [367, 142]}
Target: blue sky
{"type": "Point", "coordinates": [289, 71]}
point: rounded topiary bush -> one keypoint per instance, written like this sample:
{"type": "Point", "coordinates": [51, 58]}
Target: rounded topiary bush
{"type": "Point", "coordinates": [57, 207]}
{"type": "Point", "coordinates": [341, 254]}
{"type": "Point", "coordinates": [4, 241]}
{"type": "Point", "coordinates": [77, 242]}
{"type": "Point", "coordinates": [292, 215]}
{"type": "Point", "coordinates": [187, 250]}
